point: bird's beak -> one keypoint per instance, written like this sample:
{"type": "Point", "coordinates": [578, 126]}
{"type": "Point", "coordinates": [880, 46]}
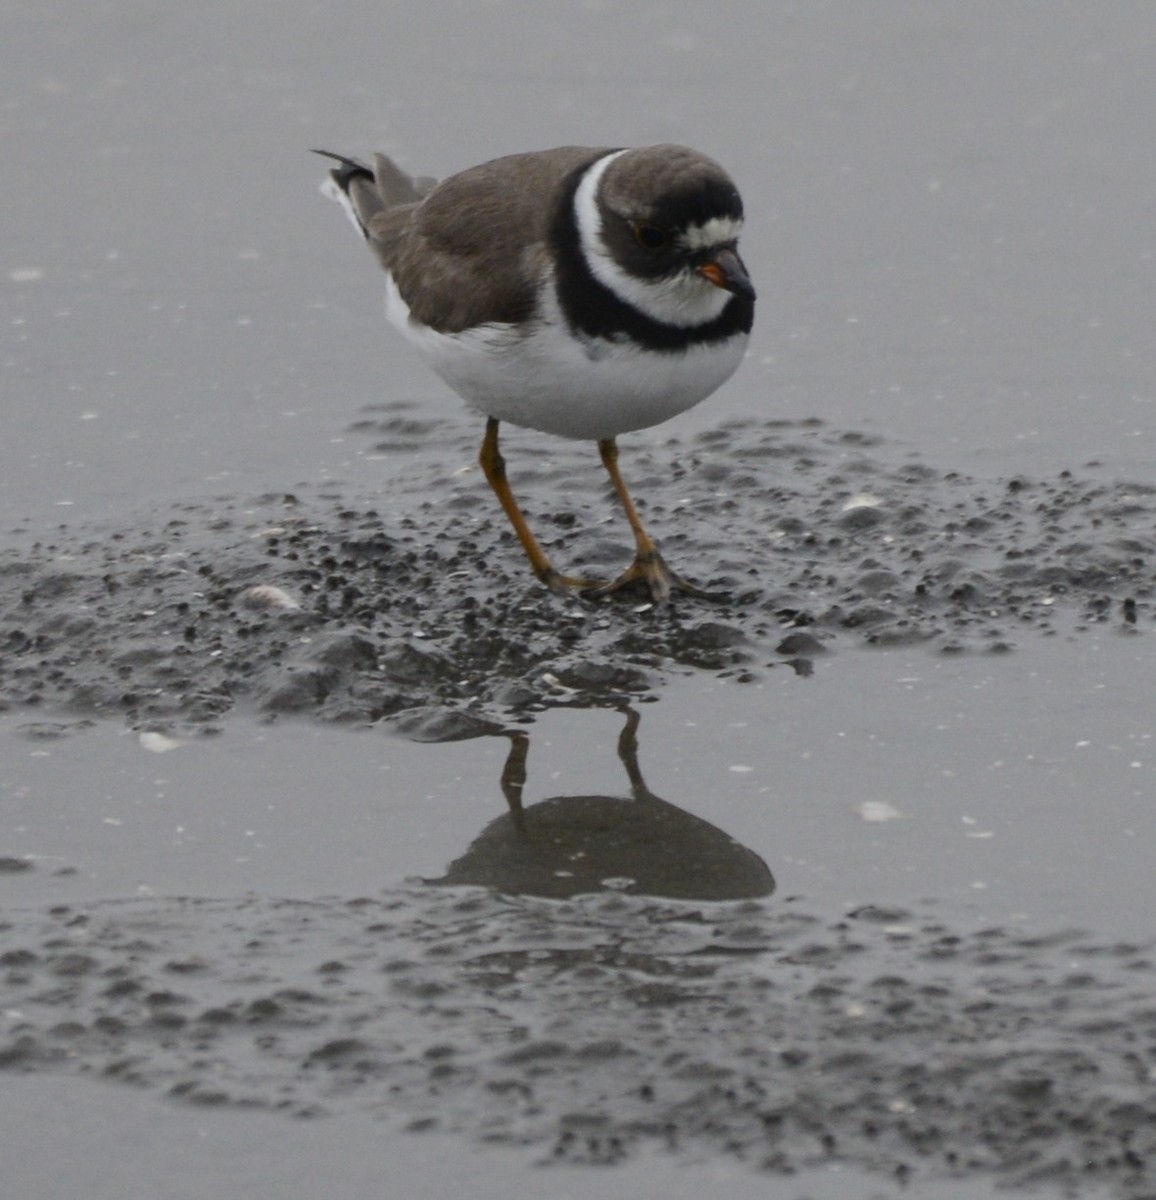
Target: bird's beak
{"type": "Point", "coordinates": [726, 271]}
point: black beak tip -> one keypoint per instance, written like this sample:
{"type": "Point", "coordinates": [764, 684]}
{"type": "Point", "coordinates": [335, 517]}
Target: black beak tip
{"type": "Point", "coordinates": [727, 272]}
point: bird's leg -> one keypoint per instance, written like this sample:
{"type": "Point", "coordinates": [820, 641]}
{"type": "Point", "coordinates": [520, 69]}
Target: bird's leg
{"type": "Point", "coordinates": [494, 467]}
{"type": "Point", "coordinates": [648, 567]}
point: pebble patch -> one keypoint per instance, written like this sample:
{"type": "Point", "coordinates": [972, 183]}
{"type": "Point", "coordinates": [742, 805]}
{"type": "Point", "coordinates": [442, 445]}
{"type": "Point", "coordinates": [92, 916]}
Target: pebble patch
{"type": "Point", "coordinates": [417, 605]}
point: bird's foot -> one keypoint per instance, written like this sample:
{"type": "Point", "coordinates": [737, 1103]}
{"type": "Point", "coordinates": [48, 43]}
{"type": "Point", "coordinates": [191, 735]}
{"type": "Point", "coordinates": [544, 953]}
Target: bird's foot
{"type": "Point", "coordinates": [650, 575]}
{"type": "Point", "coordinates": [564, 584]}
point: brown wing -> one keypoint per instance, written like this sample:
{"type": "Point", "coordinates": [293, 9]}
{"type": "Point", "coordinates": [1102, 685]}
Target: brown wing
{"type": "Point", "coordinates": [471, 251]}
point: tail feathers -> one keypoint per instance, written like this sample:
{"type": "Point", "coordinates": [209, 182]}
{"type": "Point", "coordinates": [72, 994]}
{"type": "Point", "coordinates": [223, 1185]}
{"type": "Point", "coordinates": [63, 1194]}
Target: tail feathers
{"type": "Point", "coordinates": [363, 193]}
{"type": "Point", "coordinates": [394, 186]}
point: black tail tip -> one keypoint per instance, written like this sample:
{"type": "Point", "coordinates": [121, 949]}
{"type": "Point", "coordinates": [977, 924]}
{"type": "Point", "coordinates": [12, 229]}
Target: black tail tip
{"type": "Point", "coordinates": [349, 169]}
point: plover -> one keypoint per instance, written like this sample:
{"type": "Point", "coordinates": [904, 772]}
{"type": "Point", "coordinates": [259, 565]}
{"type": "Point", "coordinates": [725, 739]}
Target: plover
{"type": "Point", "coordinates": [584, 292]}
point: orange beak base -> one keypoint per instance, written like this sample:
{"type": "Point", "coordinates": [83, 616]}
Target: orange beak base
{"type": "Point", "coordinates": [727, 272]}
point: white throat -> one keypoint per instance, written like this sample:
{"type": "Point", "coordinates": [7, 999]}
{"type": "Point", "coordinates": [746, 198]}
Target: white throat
{"type": "Point", "coordinates": [684, 300]}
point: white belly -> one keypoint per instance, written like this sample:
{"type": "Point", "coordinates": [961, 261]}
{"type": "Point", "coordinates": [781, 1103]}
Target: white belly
{"type": "Point", "coordinates": [549, 381]}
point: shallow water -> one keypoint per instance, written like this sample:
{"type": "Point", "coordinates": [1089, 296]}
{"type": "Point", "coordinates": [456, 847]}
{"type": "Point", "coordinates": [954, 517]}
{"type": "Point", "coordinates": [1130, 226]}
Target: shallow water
{"type": "Point", "coordinates": [269, 659]}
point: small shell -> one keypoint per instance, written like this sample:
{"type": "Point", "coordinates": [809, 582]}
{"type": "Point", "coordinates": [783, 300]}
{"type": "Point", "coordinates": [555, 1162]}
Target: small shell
{"type": "Point", "coordinates": [267, 595]}
{"type": "Point", "coordinates": [157, 743]}
{"type": "Point", "coordinates": [879, 810]}
{"type": "Point", "coordinates": [861, 500]}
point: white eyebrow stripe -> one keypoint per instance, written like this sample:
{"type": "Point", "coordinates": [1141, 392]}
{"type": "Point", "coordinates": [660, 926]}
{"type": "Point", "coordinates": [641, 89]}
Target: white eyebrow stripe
{"type": "Point", "coordinates": [715, 232]}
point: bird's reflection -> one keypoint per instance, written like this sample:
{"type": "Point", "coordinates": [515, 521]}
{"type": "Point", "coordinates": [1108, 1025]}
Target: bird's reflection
{"type": "Point", "coordinates": [568, 845]}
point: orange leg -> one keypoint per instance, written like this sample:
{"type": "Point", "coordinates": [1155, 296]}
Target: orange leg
{"type": "Point", "coordinates": [648, 567]}
{"type": "Point", "coordinates": [494, 466]}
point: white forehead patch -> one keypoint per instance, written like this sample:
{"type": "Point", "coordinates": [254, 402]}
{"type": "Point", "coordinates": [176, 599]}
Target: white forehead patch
{"type": "Point", "coordinates": [684, 300]}
{"type": "Point", "coordinates": [718, 231]}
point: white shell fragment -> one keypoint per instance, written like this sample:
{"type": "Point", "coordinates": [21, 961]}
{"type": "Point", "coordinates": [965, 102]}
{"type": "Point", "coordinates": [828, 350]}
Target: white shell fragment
{"type": "Point", "coordinates": [157, 743]}
{"type": "Point", "coordinates": [268, 595]}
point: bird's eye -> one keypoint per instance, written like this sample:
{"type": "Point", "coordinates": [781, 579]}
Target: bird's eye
{"type": "Point", "coordinates": [650, 236]}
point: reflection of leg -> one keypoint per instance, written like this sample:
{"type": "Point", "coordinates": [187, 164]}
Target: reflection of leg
{"type": "Point", "coordinates": [494, 467]}
{"type": "Point", "coordinates": [628, 753]}
{"type": "Point", "coordinates": [648, 567]}
{"type": "Point", "coordinates": [514, 776]}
